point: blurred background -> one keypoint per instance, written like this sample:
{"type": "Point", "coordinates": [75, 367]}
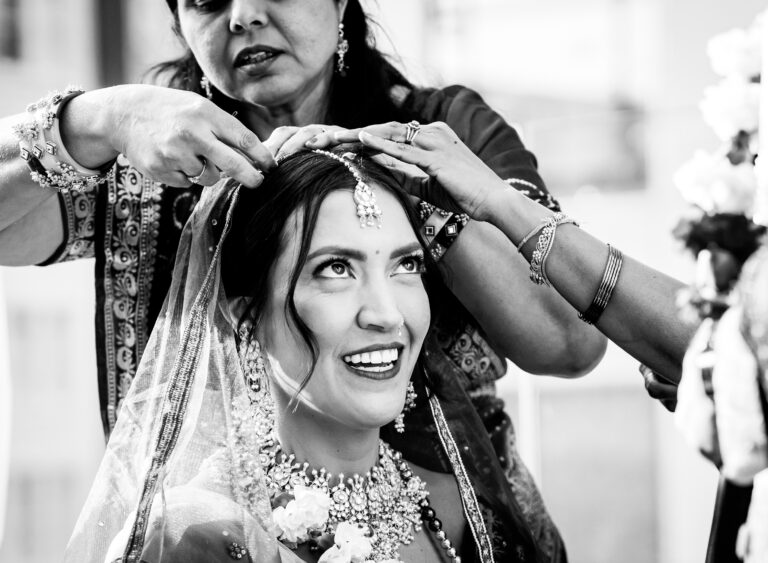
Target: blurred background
{"type": "Point", "coordinates": [605, 93]}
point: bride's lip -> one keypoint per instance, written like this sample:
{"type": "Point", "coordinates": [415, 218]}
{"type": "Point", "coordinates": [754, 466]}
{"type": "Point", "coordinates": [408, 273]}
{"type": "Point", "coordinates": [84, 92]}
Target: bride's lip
{"type": "Point", "coordinates": [377, 375]}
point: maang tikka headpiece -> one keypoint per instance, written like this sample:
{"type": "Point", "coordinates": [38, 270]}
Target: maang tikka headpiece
{"type": "Point", "coordinates": [365, 200]}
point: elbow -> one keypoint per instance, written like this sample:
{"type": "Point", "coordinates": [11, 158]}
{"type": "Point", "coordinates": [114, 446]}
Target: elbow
{"type": "Point", "coordinates": [575, 355]}
{"type": "Point", "coordinates": [584, 355]}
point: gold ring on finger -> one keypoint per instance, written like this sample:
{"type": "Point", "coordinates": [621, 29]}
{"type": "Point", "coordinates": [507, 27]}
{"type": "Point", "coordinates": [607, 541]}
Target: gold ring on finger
{"type": "Point", "coordinates": [196, 179]}
{"type": "Point", "coordinates": [412, 129]}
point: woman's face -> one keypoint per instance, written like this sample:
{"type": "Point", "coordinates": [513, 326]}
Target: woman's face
{"type": "Point", "coordinates": [265, 52]}
{"type": "Point", "coordinates": [361, 295]}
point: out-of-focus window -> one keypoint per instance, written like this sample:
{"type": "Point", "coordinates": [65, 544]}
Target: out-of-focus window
{"type": "Point", "coordinates": [9, 29]}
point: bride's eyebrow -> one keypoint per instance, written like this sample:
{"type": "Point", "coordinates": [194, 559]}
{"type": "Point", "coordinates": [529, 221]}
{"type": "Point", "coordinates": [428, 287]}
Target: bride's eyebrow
{"type": "Point", "coordinates": [337, 251]}
{"type": "Point", "coordinates": [355, 254]}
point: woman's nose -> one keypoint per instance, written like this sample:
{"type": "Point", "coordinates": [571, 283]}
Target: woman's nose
{"type": "Point", "coordinates": [379, 309]}
{"type": "Point", "coordinates": [245, 14]}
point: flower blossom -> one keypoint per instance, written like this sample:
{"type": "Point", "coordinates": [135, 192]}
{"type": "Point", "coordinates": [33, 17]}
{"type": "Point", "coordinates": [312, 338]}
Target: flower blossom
{"type": "Point", "coordinates": [731, 106]}
{"type": "Point", "coordinates": [290, 523]}
{"type": "Point", "coordinates": [313, 504]}
{"type": "Point", "coordinates": [713, 184]}
{"type": "Point", "coordinates": [736, 53]}
{"type": "Point", "coordinates": [351, 545]}
{"type": "Point", "coordinates": [307, 511]}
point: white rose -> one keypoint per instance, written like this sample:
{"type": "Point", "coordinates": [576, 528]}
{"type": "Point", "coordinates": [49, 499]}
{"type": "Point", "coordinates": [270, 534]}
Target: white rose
{"type": "Point", "coordinates": [736, 53]}
{"type": "Point", "coordinates": [290, 523]}
{"type": "Point", "coordinates": [352, 539]}
{"type": "Point", "coordinates": [712, 183]}
{"type": "Point", "coordinates": [731, 106]}
{"type": "Point", "coordinates": [313, 505]}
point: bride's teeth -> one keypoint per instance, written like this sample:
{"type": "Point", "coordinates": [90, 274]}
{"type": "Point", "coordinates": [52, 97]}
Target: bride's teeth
{"type": "Point", "coordinates": [355, 359]}
{"type": "Point", "coordinates": [376, 357]}
{"type": "Point", "coordinates": [365, 357]}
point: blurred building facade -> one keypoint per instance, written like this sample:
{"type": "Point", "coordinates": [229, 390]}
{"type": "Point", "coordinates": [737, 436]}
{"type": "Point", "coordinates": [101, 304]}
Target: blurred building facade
{"type": "Point", "coordinates": [604, 92]}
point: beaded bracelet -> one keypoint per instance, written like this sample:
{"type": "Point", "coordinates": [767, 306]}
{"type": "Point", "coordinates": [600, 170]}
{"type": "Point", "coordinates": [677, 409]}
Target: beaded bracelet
{"type": "Point", "coordinates": [607, 284]}
{"type": "Point", "coordinates": [41, 147]}
{"type": "Point", "coordinates": [447, 235]}
{"type": "Point", "coordinates": [544, 245]}
{"type": "Point", "coordinates": [434, 224]}
{"type": "Point", "coordinates": [441, 227]}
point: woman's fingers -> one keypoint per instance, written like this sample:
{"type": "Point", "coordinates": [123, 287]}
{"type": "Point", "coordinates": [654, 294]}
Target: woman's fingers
{"type": "Point", "coordinates": [231, 132]}
{"type": "Point", "coordinates": [233, 164]}
{"type": "Point", "coordinates": [405, 153]}
{"type": "Point", "coordinates": [278, 138]}
{"type": "Point", "coordinates": [659, 388]}
{"type": "Point", "coordinates": [413, 179]}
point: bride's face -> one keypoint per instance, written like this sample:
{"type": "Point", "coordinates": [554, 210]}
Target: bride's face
{"type": "Point", "coordinates": [360, 294]}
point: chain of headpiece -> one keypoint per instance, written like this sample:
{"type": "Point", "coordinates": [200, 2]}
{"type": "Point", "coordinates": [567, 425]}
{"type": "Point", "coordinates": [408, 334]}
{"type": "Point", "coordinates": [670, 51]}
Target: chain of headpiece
{"type": "Point", "coordinates": [365, 200]}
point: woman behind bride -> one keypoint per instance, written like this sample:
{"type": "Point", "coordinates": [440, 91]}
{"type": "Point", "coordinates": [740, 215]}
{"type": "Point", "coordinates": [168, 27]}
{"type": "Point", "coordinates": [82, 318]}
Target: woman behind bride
{"type": "Point", "coordinates": [281, 412]}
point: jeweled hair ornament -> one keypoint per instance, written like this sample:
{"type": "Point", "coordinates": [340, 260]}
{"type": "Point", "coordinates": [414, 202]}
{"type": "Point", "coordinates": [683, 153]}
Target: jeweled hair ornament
{"type": "Point", "coordinates": [365, 200]}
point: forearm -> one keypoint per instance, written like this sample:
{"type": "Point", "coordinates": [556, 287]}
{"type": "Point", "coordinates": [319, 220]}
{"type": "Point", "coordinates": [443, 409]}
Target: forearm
{"type": "Point", "coordinates": [534, 327]}
{"type": "Point", "coordinates": [641, 316]}
{"type": "Point", "coordinates": [30, 219]}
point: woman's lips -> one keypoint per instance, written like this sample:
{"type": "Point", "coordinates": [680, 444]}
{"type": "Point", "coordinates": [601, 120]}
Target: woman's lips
{"type": "Point", "coordinates": [377, 372]}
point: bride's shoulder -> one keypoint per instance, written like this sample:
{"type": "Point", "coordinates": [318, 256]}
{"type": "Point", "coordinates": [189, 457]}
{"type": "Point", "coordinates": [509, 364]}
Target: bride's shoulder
{"type": "Point", "coordinates": [200, 525]}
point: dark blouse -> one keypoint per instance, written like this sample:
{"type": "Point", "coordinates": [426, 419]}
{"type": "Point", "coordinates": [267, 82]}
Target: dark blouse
{"type": "Point", "coordinates": [132, 225]}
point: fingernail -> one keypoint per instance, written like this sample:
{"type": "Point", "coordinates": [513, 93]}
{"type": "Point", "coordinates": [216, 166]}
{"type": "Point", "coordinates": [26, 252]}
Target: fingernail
{"type": "Point", "coordinates": [311, 142]}
{"type": "Point", "coordinates": [365, 135]}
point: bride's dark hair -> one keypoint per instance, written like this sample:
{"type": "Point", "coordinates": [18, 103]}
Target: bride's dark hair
{"type": "Point", "coordinates": [300, 183]}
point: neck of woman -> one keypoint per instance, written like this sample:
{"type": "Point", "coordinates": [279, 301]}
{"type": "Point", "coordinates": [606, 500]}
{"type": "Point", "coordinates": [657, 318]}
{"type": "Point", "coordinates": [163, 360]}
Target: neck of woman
{"type": "Point", "coordinates": [307, 106]}
{"type": "Point", "coordinates": [325, 443]}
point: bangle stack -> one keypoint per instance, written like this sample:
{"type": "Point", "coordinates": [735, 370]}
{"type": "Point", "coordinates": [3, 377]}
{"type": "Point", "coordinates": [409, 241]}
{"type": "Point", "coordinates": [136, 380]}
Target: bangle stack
{"type": "Point", "coordinates": [41, 147]}
{"type": "Point", "coordinates": [607, 285]}
{"type": "Point", "coordinates": [441, 228]}
{"type": "Point", "coordinates": [547, 230]}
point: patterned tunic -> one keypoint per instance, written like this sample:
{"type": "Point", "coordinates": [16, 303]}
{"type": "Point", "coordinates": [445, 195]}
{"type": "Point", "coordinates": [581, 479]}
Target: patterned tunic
{"type": "Point", "coordinates": [131, 225]}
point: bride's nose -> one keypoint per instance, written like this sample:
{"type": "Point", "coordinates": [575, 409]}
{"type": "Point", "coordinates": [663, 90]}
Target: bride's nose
{"type": "Point", "coordinates": [379, 309]}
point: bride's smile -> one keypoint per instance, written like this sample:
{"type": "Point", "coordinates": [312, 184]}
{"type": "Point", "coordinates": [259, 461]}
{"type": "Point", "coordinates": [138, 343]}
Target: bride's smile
{"type": "Point", "coordinates": [361, 295]}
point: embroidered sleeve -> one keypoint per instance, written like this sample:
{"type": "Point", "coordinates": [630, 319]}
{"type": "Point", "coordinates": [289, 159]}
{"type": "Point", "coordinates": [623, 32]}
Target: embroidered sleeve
{"type": "Point", "coordinates": [78, 213]}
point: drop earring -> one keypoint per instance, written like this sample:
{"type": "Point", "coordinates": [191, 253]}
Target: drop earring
{"type": "Point", "coordinates": [342, 47]}
{"type": "Point", "coordinates": [252, 361]}
{"type": "Point", "coordinates": [205, 84]}
{"type": "Point", "coordinates": [410, 402]}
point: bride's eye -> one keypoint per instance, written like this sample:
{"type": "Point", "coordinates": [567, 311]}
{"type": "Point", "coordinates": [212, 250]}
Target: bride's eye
{"type": "Point", "coordinates": [413, 264]}
{"type": "Point", "coordinates": [334, 268]}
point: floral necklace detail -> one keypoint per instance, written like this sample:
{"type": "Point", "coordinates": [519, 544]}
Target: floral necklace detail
{"type": "Point", "coordinates": [358, 519]}
{"type": "Point", "coordinates": [385, 503]}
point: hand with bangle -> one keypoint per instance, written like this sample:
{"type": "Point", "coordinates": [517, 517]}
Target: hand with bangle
{"type": "Point", "coordinates": [438, 165]}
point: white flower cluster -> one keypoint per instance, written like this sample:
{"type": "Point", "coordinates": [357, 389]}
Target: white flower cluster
{"type": "Point", "coordinates": [732, 109]}
{"type": "Point", "coordinates": [308, 511]}
{"type": "Point", "coordinates": [351, 545]}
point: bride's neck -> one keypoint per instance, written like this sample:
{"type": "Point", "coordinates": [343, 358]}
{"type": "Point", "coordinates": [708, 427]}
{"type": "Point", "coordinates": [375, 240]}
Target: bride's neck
{"type": "Point", "coordinates": [324, 443]}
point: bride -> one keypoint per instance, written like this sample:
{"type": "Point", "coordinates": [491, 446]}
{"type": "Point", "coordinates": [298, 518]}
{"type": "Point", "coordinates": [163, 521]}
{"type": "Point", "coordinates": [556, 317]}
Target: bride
{"type": "Point", "coordinates": [281, 411]}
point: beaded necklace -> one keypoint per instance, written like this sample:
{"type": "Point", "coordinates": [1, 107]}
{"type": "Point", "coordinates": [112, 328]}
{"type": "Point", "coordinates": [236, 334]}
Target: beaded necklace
{"type": "Point", "coordinates": [389, 499]}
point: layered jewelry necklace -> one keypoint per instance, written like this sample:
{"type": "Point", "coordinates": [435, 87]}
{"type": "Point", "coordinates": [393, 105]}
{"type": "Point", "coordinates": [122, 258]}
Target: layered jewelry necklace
{"type": "Point", "coordinates": [389, 502]}
{"type": "Point", "coordinates": [386, 500]}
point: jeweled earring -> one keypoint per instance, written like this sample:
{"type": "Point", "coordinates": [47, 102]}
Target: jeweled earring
{"type": "Point", "coordinates": [251, 360]}
{"type": "Point", "coordinates": [341, 51]}
{"type": "Point", "coordinates": [205, 84]}
{"type": "Point", "coordinates": [410, 402]}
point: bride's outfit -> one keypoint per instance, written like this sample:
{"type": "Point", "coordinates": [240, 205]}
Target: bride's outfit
{"type": "Point", "coordinates": [191, 471]}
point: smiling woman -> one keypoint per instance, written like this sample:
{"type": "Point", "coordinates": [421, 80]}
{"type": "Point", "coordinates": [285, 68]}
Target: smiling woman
{"type": "Point", "coordinates": [268, 432]}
